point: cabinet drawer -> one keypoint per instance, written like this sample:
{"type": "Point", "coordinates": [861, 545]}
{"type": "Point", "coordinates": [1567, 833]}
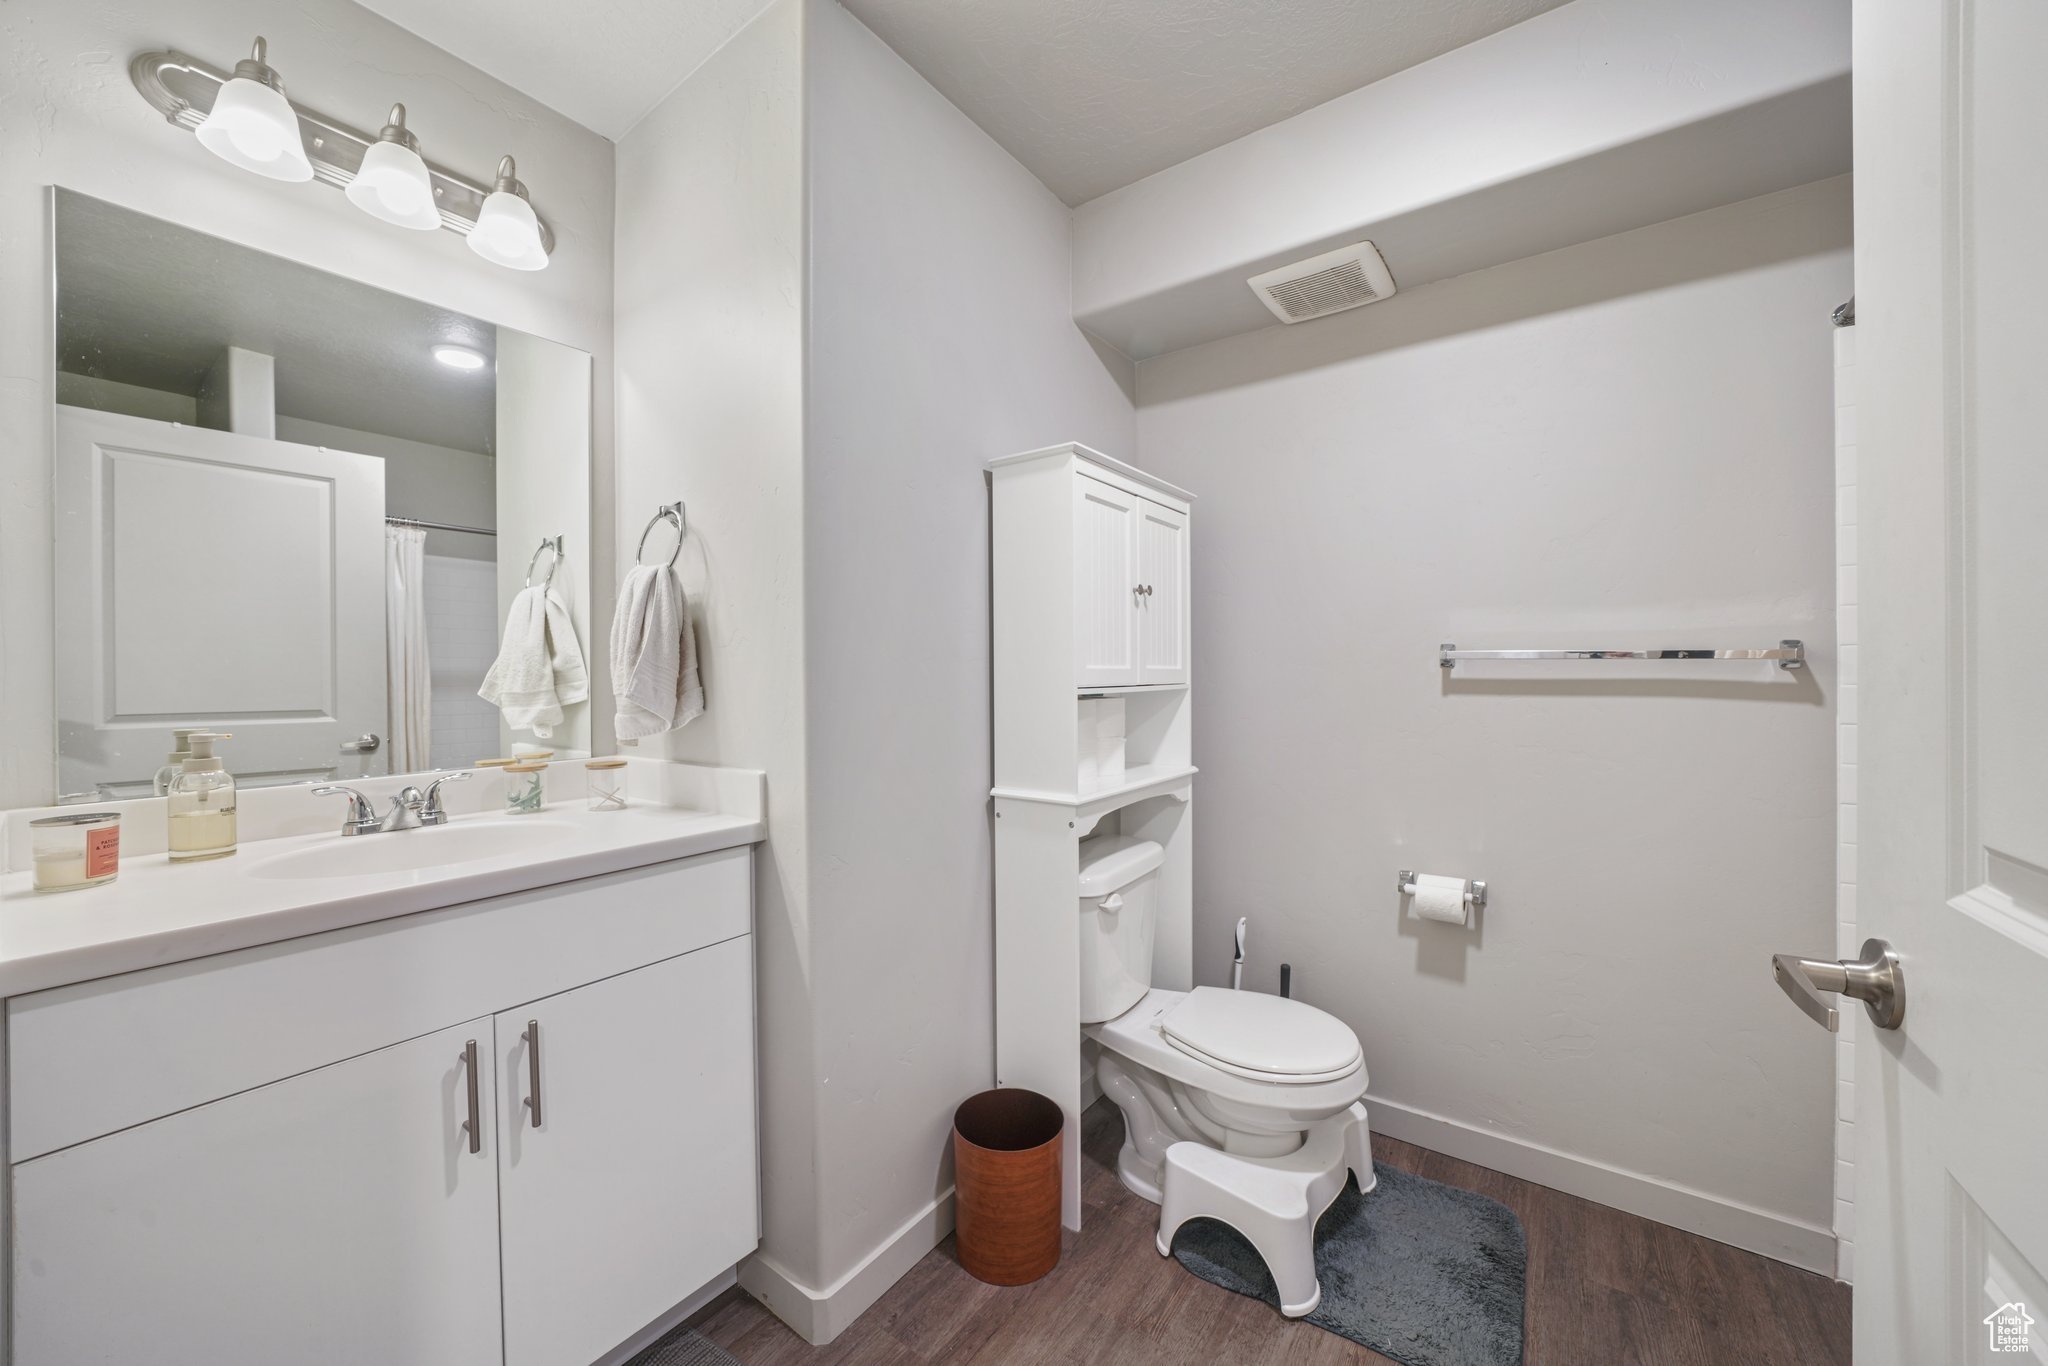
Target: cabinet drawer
{"type": "Point", "coordinates": [88, 1059]}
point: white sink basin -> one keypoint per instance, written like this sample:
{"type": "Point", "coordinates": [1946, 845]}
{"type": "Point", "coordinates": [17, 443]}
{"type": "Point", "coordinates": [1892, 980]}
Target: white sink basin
{"type": "Point", "coordinates": [402, 851]}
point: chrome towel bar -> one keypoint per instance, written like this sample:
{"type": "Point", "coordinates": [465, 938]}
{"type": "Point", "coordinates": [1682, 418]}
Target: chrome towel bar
{"type": "Point", "coordinates": [1790, 654]}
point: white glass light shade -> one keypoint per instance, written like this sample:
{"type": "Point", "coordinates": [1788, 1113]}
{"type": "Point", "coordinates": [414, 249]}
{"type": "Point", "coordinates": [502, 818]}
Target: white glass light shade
{"type": "Point", "coordinates": [507, 233]}
{"type": "Point", "coordinates": [393, 185]}
{"type": "Point", "coordinates": [254, 127]}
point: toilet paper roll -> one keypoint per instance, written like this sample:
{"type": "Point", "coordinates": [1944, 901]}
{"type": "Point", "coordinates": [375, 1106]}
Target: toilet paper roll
{"type": "Point", "coordinates": [1441, 898]}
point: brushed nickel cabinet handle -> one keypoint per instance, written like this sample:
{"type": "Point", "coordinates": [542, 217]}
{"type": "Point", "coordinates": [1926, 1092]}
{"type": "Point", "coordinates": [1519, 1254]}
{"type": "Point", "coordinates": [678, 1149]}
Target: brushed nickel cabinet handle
{"type": "Point", "coordinates": [532, 1037]}
{"type": "Point", "coordinates": [473, 1126]}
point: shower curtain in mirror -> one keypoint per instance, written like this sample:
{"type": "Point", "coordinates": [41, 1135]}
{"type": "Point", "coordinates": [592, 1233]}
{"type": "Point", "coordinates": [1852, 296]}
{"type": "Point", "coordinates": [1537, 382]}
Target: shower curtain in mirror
{"type": "Point", "coordinates": [409, 685]}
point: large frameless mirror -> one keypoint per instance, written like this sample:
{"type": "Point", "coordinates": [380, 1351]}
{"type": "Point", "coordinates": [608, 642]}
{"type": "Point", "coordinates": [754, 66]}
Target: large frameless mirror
{"type": "Point", "coordinates": [296, 509]}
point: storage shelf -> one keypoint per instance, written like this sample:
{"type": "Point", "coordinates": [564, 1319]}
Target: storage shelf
{"type": "Point", "coordinates": [1145, 780]}
{"type": "Point", "coordinates": [1133, 688]}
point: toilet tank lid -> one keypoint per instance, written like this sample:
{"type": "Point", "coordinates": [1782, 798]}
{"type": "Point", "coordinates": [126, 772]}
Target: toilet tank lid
{"type": "Point", "coordinates": [1110, 863]}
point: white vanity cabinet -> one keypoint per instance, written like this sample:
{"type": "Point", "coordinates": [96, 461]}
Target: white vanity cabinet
{"type": "Point", "coordinates": [333, 1216]}
{"type": "Point", "coordinates": [1130, 585]}
{"type": "Point", "coordinates": [637, 1180]}
{"type": "Point", "coordinates": [285, 1154]}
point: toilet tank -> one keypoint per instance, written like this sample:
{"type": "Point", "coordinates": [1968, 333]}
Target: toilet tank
{"type": "Point", "coordinates": [1119, 907]}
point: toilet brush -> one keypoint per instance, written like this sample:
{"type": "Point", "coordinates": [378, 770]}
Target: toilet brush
{"type": "Point", "coordinates": [1237, 958]}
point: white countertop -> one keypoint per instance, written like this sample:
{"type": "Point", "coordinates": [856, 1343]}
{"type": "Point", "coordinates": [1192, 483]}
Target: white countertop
{"type": "Point", "coordinates": [157, 912]}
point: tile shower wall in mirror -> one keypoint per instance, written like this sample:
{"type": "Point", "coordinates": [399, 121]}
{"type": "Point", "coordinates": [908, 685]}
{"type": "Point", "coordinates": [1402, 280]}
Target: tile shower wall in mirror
{"type": "Point", "coordinates": [298, 509]}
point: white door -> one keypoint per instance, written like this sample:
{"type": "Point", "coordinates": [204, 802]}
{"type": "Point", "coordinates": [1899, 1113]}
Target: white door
{"type": "Point", "coordinates": [207, 578]}
{"type": "Point", "coordinates": [1163, 594]}
{"type": "Point", "coordinates": [1105, 585]}
{"type": "Point", "coordinates": [1951, 1212]}
{"type": "Point", "coordinates": [333, 1219]}
{"type": "Point", "coordinates": [632, 1182]}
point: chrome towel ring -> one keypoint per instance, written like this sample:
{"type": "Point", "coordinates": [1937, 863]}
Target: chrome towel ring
{"type": "Point", "coordinates": [547, 543]}
{"type": "Point", "coordinates": [673, 514]}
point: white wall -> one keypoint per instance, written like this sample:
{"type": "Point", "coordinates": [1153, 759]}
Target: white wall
{"type": "Point", "coordinates": [69, 116]}
{"type": "Point", "coordinates": [710, 410]}
{"type": "Point", "coordinates": [837, 299]}
{"type": "Point", "coordinates": [941, 336]}
{"type": "Point", "coordinates": [1624, 441]}
{"type": "Point", "coordinates": [421, 480]}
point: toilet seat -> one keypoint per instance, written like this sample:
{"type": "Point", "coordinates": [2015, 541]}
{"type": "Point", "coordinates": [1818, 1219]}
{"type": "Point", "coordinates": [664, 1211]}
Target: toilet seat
{"type": "Point", "coordinates": [1261, 1038]}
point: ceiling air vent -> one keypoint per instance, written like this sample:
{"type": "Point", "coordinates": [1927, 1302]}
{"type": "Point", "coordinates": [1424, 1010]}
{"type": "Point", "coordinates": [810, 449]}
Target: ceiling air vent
{"type": "Point", "coordinates": [1321, 285]}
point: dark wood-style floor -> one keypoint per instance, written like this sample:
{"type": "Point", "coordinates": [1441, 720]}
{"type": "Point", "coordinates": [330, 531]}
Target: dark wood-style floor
{"type": "Point", "coordinates": [1605, 1288]}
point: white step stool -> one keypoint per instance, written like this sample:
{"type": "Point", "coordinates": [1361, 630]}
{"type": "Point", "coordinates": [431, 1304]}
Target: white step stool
{"type": "Point", "coordinates": [1273, 1201]}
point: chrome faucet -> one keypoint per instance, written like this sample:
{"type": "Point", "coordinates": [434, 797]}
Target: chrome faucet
{"type": "Point", "coordinates": [410, 809]}
{"type": "Point", "coordinates": [431, 810]}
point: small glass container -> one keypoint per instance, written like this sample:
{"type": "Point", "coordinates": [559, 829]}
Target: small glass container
{"type": "Point", "coordinates": [75, 850]}
{"type": "Point", "coordinates": [522, 788]}
{"type": "Point", "coordinates": [607, 779]}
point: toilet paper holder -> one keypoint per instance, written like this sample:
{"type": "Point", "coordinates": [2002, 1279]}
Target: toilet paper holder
{"type": "Point", "coordinates": [1475, 891]}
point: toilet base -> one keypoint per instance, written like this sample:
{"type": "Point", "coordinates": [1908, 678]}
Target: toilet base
{"type": "Point", "coordinates": [1274, 1202]}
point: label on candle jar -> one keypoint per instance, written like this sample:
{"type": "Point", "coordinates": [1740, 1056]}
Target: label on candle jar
{"type": "Point", "coordinates": [102, 851]}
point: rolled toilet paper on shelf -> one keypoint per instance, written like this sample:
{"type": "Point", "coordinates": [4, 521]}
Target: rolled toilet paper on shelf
{"type": "Point", "coordinates": [1441, 898]}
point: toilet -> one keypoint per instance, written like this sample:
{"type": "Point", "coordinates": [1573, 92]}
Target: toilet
{"type": "Point", "coordinates": [1266, 1089]}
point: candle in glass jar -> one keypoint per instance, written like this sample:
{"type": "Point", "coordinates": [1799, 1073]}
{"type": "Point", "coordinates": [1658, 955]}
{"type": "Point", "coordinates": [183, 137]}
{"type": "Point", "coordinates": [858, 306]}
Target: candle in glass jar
{"type": "Point", "coordinates": [75, 850]}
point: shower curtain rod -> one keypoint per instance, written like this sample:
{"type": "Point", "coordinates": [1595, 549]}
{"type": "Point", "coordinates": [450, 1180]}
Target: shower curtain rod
{"type": "Point", "coordinates": [439, 526]}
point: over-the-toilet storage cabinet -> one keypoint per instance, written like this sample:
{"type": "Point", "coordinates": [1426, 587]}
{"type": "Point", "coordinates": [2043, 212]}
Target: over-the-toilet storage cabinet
{"type": "Point", "coordinates": [269, 1156]}
{"type": "Point", "coordinates": [1090, 608]}
{"type": "Point", "coordinates": [1130, 585]}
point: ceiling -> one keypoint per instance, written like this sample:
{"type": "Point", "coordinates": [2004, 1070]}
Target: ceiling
{"type": "Point", "coordinates": [1089, 94]}
{"type": "Point", "coordinates": [604, 63]}
{"type": "Point", "coordinates": [1095, 94]}
{"type": "Point", "coordinates": [147, 302]}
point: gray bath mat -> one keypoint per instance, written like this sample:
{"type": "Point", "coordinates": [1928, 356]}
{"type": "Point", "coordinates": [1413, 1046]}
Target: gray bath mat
{"type": "Point", "coordinates": [685, 1348]}
{"type": "Point", "coordinates": [1425, 1273]}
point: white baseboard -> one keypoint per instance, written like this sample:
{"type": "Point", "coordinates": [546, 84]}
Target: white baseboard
{"type": "Point", "coordinates": [818, 1316]}
{"type": "Point", "coordinates": [669, 1322]}
{"type": "Point", "coordinates": [1807, 1246]}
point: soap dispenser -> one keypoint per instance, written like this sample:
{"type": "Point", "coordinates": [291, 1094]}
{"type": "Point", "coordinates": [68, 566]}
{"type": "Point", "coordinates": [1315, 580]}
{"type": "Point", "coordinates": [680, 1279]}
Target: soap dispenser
{"type": "Point", "coordinates": [174, 762]}
{"type": "Point", "coordinates": [202, 803]}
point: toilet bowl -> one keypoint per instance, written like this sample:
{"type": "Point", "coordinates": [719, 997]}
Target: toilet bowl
{"type": "Point", "coordinates": [1238, 1071]}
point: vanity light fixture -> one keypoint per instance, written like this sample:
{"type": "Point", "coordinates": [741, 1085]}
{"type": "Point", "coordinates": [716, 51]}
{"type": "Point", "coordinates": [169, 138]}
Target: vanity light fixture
{"type": "Point", "coordinates": [506, 231]}
{"type": "Point", "coordinates": [392, 182]}
{"type": "Point", "coordinates": [460, 357]}
{"type": "Point", "coordinates": [253, 125]}
{"type": "Point", "coordinates": [246, 119]}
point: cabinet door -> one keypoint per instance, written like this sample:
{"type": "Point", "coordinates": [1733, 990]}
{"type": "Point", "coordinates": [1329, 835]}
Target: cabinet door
{"type": "Point", "coordinates": [1105, 585]}
{"type": "Point", "coordinates": [638, 1184]}
{"type": "Point", "coordinates": [1163, 605]}
{"type": "Point", "coordinates": [332, 1219]}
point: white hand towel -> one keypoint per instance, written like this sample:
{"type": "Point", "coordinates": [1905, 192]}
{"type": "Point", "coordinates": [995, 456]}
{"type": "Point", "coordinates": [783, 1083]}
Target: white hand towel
{"type": "Point", "coordinates": [539, 668]}
{"type": "Point", "coordinates": [654, 655]}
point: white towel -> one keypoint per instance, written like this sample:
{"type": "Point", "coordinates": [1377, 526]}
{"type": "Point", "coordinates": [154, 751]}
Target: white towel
{"type": "Point", "coordinates": [654, 655]}
{"type": "Point", "coordinates": [539, 669]}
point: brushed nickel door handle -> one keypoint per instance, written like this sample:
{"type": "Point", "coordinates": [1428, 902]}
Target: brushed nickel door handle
{"type": "Point", "coordinates": [1877, 979]}
{"type": "Point", "coordinates": [532, 1037]}
{"type": "Point", "coordinates": [473, 1126]}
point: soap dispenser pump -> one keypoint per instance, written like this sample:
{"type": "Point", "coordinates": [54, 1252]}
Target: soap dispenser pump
{"type": "Point", "coordinates": [174, 762]}
{"type": "Point", "coordinates": [201, 801]}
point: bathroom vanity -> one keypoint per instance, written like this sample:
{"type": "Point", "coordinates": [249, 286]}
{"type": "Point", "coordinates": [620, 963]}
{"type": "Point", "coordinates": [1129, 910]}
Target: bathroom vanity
{"type": "Point", "coordinates": [357, 1100]}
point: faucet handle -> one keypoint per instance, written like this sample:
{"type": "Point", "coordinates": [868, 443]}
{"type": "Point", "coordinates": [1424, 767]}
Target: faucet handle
{"type": "Point", "coordinates": [431, 812]}
{"type": "Point", "coordinates": [362, 812]}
